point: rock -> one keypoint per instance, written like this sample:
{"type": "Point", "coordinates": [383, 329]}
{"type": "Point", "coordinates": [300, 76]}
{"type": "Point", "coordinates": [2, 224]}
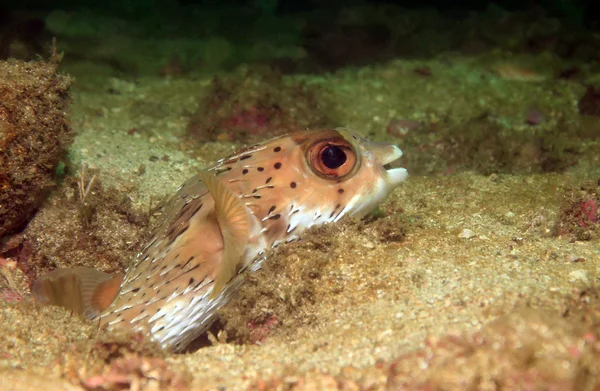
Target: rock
{"type": "Point", "coordinates": [589, 104]}
{"type": "Point", "coordinates": [466, 234]}
{"type": "Point", "coordinates": [401, 127]}
{"type": "Point", "coordinates": [534, 117]}
{"type": "Point", "coordinates": [34, 135]}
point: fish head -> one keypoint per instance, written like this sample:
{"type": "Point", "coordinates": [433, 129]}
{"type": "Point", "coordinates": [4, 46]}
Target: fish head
{"type": "Point", "coordinates": [310, 178]}
{"type": "Point", "coordinates": [359, 170]}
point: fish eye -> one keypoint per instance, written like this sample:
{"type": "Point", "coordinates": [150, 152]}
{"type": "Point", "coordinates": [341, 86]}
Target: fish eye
{"type": "Point", "coordinates": [333, 156]}
{"type": "Point", "coordinates": [333, 159]}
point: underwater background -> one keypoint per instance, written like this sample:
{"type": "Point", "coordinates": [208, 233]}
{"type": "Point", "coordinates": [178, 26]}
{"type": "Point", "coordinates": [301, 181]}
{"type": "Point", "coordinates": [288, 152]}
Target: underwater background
{"type": "Point", "coordinates": [480, 272]}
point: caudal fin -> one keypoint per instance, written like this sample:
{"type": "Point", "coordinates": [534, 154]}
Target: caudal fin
{"type": "Point", "coordinates": [82, 290]}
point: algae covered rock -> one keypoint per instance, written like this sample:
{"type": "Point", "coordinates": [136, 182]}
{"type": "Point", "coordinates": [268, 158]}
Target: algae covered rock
{"type": "Point", "coordinates": [34, 135]}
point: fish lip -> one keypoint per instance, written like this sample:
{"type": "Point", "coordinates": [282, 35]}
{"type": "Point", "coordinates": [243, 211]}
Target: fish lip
{"type": "Point", "coordinates": [385, 154]}
{"type": "Point", "coordinates": [396, 176]}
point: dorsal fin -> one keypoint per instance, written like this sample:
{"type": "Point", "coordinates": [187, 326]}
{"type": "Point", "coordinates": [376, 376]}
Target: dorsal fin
{"type": "Point", "coordinates": [82, 290]}
{"type": "Point", "coordinates": [234, 222]}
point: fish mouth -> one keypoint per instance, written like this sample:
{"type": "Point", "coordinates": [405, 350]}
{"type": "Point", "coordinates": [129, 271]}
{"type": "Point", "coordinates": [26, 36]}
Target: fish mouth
{"type": "Point", "coordinates": [391, 164]}
{"type": "Point", "coordinates": [388, 156]}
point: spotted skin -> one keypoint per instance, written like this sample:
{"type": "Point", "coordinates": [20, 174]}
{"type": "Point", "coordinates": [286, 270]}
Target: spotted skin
{"type": "Point", "coordinates": [165, 292]}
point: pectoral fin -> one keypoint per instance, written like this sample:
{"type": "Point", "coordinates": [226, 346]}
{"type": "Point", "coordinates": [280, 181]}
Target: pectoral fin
{"type": "Point", "coordinates": [83, 290]}
{"type": "Point", "coordinates": [234, 223]}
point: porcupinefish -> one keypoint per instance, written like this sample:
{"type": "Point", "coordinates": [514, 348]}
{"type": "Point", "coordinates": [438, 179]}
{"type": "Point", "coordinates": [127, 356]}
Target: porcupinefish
{"type": "Point", "coordinates": [220, 223]}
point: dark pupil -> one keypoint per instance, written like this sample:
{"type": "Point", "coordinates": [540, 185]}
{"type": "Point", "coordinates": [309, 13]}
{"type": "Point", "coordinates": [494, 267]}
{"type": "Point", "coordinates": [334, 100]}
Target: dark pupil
{"type": "Point", "coordinates": [333, 157]}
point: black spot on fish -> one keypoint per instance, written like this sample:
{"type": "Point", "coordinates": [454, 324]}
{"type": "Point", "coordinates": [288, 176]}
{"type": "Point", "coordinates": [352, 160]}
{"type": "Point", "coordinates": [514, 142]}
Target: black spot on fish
{"type": "Point", "coordinates": [254, 191]}
{"type": "Point", "coordinates": [257, 197]}
{"type": "Point", "coordinates": [288, 230]}
{"type": "Point", "coordinates": [277, 165]}
{"type": "Point", "coordinates": [293, 185]}
{"type": "Point", "coordinates": [136, 290]}
{"type": "Point", "coordinates": [268, 180]}
{"type": "Point", "coordinates": [181, 274]}
{"type": "Point", "coordinates": [245, 157]}
{"type": "Point", "coordinates": [222, 170]}
{"type": "Point", "coordinates": [271, 209]}
{"type": "Point", "coordinates": [340, 191]}
{"type": "Point", "coordinates": [275, 217]}
{"type": "Point", "coordinates": [276, 149]}
{"type": "Point", "coordinates": [180, 224]}
{"type": "Point", "coordinates": [188, 261]}
{"type": "Point", "coordinates": [334, 210]}
{"type": "Point", "coordinates": [196, 209]}
{"type": "Point", "coordinates": [261, 169]}
{"type": "Point", "coordinates": [191, 281]}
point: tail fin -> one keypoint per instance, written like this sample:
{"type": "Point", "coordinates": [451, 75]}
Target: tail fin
{"type": "Point", "coordinates": [83, 290]}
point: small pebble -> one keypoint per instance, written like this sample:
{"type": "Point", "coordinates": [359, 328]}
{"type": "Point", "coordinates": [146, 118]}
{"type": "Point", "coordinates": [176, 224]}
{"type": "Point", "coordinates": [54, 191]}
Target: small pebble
{"type": "Point", "coordinates": [579, 276]}
{"type": "Point", "coordinates": [401, 127]}
{"type": "Point", "coordinates": [423, 71]}
{"type": "Point", "coordinates": [466, 234]}
{"type": "Point", "coordinates": [535, 117]}
{"type": "Point", "coordinates": [576, 259]}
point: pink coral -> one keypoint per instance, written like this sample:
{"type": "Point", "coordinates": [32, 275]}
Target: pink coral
{"type": "Point", "coordinates": [260, 330]}
{"type": "Point", "coordinates": [10, 296]}
{"type": "Point", "coordinates": [589, 212]}
{"type": "Point", "coordinates": [252, 120]}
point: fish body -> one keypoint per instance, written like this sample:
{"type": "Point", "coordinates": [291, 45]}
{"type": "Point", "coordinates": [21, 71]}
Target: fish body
{"type": "Point", "coordinates": [220, 223]}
